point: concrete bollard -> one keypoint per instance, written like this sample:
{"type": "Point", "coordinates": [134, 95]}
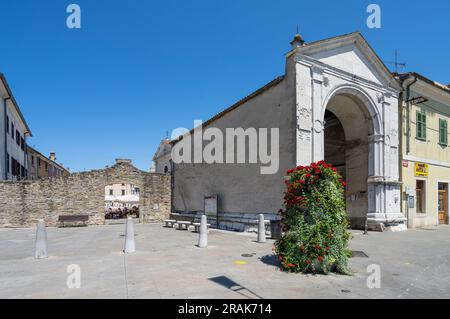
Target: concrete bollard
{"type": "Point", "coordinates": [203, 234]}
{"type": "Point", "coordinates": [129, 237]}
{"type": "Point", "coordinates": [261, 229]}
{"type": "Point", "coordinates": [40, 251]}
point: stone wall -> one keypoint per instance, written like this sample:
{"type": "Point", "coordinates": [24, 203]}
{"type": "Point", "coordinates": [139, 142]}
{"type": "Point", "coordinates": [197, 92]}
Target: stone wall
{"type": "Point", "coordinates": [21, 203]}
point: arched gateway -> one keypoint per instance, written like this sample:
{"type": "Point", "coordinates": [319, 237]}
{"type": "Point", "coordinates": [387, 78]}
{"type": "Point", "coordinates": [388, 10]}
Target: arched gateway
{"type": "Point", "coordinates": [349, 99]}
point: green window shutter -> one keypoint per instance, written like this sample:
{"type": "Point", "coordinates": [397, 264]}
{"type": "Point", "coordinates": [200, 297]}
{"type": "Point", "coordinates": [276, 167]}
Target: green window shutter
{"type": "Point", "coordinates": [443, 132]}
{"type": "Point", "coordinates": [421, 120]}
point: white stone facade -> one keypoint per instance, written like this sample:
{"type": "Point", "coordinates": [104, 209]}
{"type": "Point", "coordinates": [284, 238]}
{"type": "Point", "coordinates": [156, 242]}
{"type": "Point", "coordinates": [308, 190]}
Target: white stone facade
{"type": "Point", "coordinates": [347, 67]}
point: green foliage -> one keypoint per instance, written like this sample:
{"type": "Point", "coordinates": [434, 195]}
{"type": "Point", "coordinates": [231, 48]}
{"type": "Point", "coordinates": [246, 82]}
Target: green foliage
{"type": "Point", "coordinates": [314, 221]}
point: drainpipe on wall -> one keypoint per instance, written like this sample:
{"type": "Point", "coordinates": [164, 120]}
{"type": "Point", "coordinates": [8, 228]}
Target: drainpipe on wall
{"type": "Point", "coordinates": [408, 136]}
{"type": "Point", "coordinates": [408, 114]}
{"type": "Point", "coordinates": [5, 174]}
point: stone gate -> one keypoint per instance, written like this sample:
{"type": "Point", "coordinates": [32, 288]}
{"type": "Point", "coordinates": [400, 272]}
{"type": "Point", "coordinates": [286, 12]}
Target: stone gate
{"type": "Point", "coordinates": [22, 202]}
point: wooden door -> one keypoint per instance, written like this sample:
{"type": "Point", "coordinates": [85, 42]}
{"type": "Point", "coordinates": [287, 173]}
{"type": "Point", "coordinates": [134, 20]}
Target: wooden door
{"type": "Point", "coordinates": [443, 203]}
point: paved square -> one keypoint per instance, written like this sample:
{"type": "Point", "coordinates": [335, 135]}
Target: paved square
{"type": "Point", "coordinates": [414, 264]}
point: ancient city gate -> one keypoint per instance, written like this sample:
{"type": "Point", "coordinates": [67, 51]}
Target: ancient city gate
{"type": "Point", "coordinates": [21, 203]}
{"type": "Point", "coordinates": [347, 114]}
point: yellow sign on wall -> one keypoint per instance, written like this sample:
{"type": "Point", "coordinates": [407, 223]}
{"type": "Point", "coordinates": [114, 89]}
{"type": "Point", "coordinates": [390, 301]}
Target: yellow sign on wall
{"type": "Point", "coordinates": [421, 169]}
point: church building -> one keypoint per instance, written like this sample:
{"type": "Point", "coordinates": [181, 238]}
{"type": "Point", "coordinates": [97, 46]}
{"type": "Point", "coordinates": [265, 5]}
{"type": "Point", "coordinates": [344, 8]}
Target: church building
{"type": "Point", "coordinates": [337, 102]}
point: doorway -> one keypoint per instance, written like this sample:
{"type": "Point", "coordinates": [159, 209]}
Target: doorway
{"type": "Point", "coordinates": [443, 203]}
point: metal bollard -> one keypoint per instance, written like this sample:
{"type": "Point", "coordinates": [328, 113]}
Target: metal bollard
{"type": "Point", "coordinates": [203, 234]}
{"type": "Point", "coordinates": [261, 229]}
{"type": "Point", "coordinates": [129, 237]}
{"type": "Point", "coordinates": [40, 251]}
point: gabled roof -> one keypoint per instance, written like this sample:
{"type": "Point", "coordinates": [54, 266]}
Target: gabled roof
{"type": "Point", "coordinates": [361, 43]}
{"type": "Point", "coordinates": [13, 100]}
{"type": "Point", "coordinates": [163, 149]}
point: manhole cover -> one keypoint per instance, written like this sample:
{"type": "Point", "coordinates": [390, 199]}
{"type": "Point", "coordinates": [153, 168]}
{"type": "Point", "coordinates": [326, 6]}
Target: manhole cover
{"type": "Point", "coordinates": [357, 253]}
{"type": "Point", "coordinates": [248, 255]}
{"type": "Point", "coordinates": [345, 291]}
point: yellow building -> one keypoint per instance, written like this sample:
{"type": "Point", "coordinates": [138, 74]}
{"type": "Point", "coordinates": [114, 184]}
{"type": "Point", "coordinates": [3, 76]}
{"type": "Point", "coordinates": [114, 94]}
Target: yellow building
{"type": "Point", "coordinates": [425, 151]}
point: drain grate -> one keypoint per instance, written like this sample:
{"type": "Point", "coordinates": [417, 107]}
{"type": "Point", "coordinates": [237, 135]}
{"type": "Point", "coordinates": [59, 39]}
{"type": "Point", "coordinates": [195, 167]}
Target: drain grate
{"type": "Point", "coordinates": [247, 255]}
{"type": "Point", "coordinates": [360, 254]}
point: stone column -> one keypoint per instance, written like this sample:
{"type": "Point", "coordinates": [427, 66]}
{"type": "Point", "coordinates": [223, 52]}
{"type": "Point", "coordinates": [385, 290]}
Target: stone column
{"type": "Point", "coordinates": [41, 240]}
{"type": "Point", "coordinates": [203, 234]}
{"type": "Point", "coordinates": [261, 229]}
{"type": "Point", "coordinates": [129, 237]}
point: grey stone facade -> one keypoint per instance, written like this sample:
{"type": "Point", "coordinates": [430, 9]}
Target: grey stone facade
{"type": "Point", "coordinates": [22, 203]}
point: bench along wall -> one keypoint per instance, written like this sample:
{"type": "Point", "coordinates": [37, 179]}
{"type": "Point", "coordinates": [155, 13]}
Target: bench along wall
{"type": "Point", "coordinates": [21, 203]}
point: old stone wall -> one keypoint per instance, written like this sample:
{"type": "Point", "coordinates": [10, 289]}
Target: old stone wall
{"type": "Point", "coordinates": [21, 203]}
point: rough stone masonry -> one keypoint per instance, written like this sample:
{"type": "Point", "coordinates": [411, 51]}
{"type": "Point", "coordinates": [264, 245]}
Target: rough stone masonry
{"type": "Point", "coordinates": [23, 202]}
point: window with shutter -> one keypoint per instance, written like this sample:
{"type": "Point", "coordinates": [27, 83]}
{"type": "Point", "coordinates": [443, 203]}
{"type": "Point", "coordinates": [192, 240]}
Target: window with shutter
{"type": "Point", "coordinates": [443, 132]}
{"type": "Point", "coordinates": [421, 120]}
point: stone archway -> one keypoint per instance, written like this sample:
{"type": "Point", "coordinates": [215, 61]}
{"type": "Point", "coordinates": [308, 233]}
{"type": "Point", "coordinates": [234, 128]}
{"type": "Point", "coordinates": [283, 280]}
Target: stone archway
{"type": "Point", "coordinates": [348, 127]}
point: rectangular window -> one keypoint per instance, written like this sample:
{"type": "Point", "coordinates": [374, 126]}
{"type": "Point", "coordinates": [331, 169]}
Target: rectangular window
{"type": "Point", "coordinates": [7, 124]}
{"type": "Point", "coordinates": [421, 120]}
{"type": "Point", "coordinates": [7, 163]}
{"type": "Point", "coordinates": [17, 137]}
{"type": "Point", "coordinates": [420, 197]}
{"type": "Point", "coordinates": [443, 132]}
{"type": "Point", "coordinates": [12, 130]}
{"type": "Point", "coordinates": [123, 192]}
{"type": "Point", "coordinates": [22, 144]}
{"type": "Point", "coordinates": [39, 162]}
{"type": "Point", "coordinates": [111, 192]}
{"type": "Point", "coordinates": [32, 160]}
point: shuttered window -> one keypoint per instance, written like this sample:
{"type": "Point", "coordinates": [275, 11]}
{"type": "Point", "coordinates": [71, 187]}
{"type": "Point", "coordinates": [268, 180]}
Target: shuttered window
{"type": "Point", "coordinates": [421, 120]}
{"type": "Point", "coordinates": [443, 132]}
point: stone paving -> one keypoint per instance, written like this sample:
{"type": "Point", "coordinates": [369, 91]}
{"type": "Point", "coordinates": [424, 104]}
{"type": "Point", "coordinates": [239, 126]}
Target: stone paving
{"type": "Point", "coordinates": [167, 264]}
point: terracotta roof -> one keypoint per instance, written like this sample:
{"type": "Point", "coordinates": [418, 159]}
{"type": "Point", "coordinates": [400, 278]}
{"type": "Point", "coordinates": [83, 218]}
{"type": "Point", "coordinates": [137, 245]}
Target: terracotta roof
{"type": "Point", "coordinates": [236, 105]}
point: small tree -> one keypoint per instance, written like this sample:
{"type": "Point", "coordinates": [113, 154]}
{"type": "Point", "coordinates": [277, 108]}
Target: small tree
{"type": "Point", "coordinates": [314, 221]}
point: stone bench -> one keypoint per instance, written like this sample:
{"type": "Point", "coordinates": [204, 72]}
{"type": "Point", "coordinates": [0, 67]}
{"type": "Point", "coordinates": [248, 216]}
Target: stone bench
{"type": "Point", "coordinates": [183, 225]}
{"type": "Point", "coordinates": [170, 223]}
{"type": "Point", "coordinates": [197, 227]}
{"type": "Point", "coordinates": [73, 220]}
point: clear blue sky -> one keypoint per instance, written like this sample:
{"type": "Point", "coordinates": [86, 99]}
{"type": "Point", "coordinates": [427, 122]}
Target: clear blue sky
{"type": "Point", "coordinates": [137, 69]}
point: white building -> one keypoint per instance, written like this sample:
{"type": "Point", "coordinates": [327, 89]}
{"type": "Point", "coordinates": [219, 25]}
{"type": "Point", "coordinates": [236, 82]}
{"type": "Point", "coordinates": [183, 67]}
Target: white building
{"type": "Point", "coordinates": [121, 196]}
{"type": "Point", "coordinates": [336, 102]}
{"type": "Point", "coordinates": [14, 132]}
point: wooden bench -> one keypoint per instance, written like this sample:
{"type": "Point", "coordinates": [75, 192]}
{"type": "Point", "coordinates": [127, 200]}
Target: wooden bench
{"type": "Point", "coordinates": [183, 225]}
{"type": "Point", "coordinates": [170, 223]}
{"type": "Point", "coordinates": [197, 227]}
{"type": "Point", "coordinates": [73, 219]}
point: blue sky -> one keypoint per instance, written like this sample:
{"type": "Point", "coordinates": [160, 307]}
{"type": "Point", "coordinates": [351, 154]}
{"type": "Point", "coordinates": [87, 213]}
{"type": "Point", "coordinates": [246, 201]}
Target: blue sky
{"type": "Point", "coordinates": [137, 69]}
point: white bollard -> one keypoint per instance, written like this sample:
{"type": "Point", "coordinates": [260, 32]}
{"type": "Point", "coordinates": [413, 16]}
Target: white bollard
{"type": "Point", "coordinates": [40, 251]}
{"type": "Point", "coordinates": [261, 229]}
{"type": "Point", "coordinates": [129, 237]}
{"type": "Point", "coordinates": [203, 234]}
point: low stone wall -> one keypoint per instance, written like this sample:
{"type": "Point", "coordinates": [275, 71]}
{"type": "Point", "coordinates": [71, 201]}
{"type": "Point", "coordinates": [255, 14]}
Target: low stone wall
{"type": "Point", "coordinates": [22, 202]}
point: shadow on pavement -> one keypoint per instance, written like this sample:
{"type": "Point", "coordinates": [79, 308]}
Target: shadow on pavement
{"type": "Point", "coordinates": [234, 286]}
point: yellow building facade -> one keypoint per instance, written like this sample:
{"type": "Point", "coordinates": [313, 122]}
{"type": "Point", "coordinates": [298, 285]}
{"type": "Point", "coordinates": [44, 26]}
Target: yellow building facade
{"type": "Point", "coordinates": [425, 151]}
